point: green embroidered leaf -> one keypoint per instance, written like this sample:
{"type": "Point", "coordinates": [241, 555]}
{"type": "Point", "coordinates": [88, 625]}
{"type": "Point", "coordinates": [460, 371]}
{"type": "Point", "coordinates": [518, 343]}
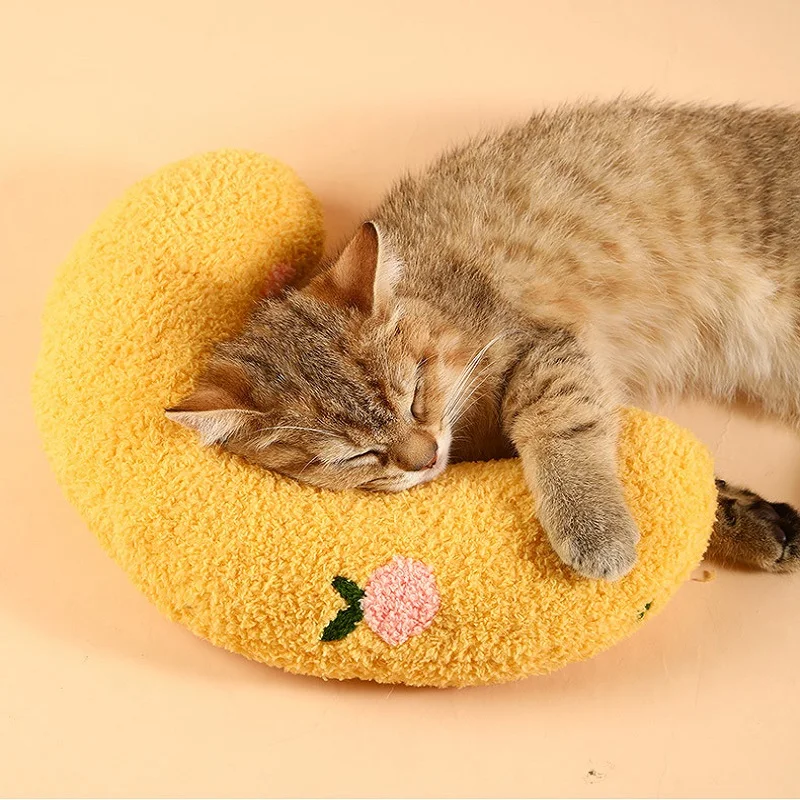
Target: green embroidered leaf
{"type": "Point", "coordinates": [347, 589]}
{"type": "Point", "coordinates": [343, 623]}
{"type": "Point", "coordinates": [647, 607]}
{"type": "Point", "coordinates": [346, 620]}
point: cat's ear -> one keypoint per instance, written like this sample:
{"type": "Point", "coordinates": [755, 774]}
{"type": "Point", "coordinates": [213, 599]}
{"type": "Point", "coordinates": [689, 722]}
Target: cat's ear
{"type": "Point", "coordinates": [364, 275]}
{"type": "Point", "coordinates": [218, 408]}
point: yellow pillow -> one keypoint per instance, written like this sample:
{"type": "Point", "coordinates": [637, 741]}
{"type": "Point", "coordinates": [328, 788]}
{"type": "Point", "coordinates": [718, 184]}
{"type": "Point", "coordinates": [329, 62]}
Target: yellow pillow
{"type": "Point", "coordinates": [450, 584]}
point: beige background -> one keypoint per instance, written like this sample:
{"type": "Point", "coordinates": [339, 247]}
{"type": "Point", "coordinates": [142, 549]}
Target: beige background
{"type": "Point", "coordinates": [101, 696]}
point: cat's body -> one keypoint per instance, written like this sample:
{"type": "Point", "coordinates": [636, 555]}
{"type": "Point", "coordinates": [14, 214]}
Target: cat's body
{"type": "Point", "coordinates": [518, 291]}
{"type": "Point", "coordinates": [667, 239]}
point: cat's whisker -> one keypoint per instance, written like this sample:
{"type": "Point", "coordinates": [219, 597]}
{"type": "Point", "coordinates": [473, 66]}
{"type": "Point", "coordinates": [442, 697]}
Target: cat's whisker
{"type": "Point", "coordinates": [475, 383]}
{"type": "Point", "coordinates": [455, 413]}
{"type": "Point", "coordinates": [474, 399]}
{"type": "Point", "coordinates": [277, 428]}
{"type": "Point", "coordinates": [471, 399]}
{"type": "Point", "coordinates": [301, 428]}
{"type": "Point", "coordinates": [464, 377]}
{"type": "Point", "coordinates": [463, 411]}
{"type": "Point", "coordinates": [464, 386]}
{"type": "Point", "coordinates": [261, 441]}
{"type": "Point", "coordinates": [458, 392]}
{"type": "Point", "coordinates": [307, 464]}
{"type": "Point", "coordinates": [463, 382]}
{"type": "Point", "coordinates": [464, 420]}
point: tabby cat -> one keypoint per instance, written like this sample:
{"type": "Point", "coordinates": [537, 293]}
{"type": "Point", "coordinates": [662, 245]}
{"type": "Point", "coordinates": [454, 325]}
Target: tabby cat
{"type": "Point", "coordinates": [511, 297]}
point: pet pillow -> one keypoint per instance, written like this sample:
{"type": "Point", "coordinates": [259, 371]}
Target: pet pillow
{"type": "Point", "coordinates": [450, 584]}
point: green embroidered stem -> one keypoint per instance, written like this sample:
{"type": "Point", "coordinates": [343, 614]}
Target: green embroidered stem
{"type": "Point", "coordinates": [346, 620]}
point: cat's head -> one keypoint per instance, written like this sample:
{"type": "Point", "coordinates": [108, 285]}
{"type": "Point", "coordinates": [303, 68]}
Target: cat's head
{"type": "Point", "coordinates": [340, 384]}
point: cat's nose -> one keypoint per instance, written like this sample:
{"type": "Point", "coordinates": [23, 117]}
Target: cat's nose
{"type": "Point", "coordinates": [417, 452]}
{"type": "Point", "coordinates": [432, 461]}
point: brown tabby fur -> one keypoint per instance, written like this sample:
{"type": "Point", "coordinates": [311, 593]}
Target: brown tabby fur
{"type": "Point", "coordinates": [509, 299]}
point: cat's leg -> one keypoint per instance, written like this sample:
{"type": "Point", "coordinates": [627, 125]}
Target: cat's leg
{"type": "Point", "coordinates": [562, 416]}
{"type": "Point", "coordinates": [753, 532]}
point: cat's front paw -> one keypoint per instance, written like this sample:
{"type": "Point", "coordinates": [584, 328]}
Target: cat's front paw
{"type": "Point", "coordinates": [598, 544]}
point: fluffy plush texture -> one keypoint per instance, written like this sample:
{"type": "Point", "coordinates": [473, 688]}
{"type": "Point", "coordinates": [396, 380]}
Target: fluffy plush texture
{"type": "Point", "coordinates": [246, 559]}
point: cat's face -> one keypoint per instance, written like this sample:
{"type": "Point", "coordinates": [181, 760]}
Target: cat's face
{"type": "Point", "coordinates": [337, 385]}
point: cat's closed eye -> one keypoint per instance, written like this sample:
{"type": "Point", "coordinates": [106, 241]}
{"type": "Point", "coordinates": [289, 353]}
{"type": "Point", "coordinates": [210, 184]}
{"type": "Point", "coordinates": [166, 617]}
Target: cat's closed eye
{"type": "Point", "coordinates": [418, 400]}
{"type": "Point", "coordinates": [371, 456]}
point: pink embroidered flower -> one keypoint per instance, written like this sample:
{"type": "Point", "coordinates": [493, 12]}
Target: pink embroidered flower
{"type": "Point", "coordinates": [399, 601]}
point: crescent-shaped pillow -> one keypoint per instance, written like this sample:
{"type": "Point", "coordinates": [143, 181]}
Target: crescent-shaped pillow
{"type": "Point", "coordinates": [451, 584]}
